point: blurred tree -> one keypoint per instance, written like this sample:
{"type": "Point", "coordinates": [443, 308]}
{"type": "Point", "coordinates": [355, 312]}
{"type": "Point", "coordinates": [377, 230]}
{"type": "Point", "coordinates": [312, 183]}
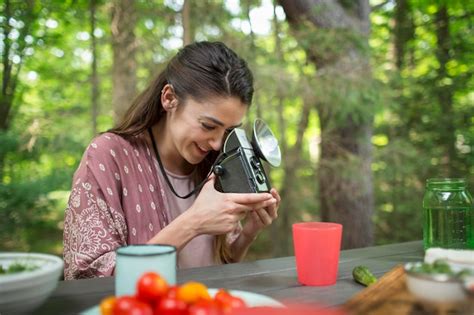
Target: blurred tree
{"type": "Point", "coordinates": [94, 74]}
{"type": "Point", "coordinates": [188, 31]}
{"type": "Point", "coordinates": [426, 128]}
{"type": "Point", "coordinates": [17, 27]}
{"type": "Point", "coordinates": [403, 30]}
{"type": "Point", "coordinates": [334, 35]}
{"type": "Point", "coordinates": [36, 150]}
{"type": "Point", "coordinates": [284, 217]}
{"type": "Point", "coordinates": [124, 69]}
{"type": "Point", "coordinates": [445, 91]}
{"type": "Point", "coordinates": [49, 121]}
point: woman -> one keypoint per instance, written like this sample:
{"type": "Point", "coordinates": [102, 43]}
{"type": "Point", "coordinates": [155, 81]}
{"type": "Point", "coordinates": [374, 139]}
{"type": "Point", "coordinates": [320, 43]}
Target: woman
{"type": "Point", "coordinates": [126, 188]}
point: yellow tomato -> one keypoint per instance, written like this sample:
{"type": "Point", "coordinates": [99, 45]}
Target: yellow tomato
{"type": "Point", "coordinates": [107, 305]}
{"type": "Point", "coordinates": [191, 292]}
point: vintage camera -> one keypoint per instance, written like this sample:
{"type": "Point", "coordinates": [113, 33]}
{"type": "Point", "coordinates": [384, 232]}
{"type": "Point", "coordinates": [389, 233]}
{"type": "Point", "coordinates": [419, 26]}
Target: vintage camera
{"type": "Point", "coordinates": [239, 168]}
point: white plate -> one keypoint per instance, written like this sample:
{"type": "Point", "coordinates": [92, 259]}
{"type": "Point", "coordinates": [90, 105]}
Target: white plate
{"type": "Point", "coordinates": [250, 298]}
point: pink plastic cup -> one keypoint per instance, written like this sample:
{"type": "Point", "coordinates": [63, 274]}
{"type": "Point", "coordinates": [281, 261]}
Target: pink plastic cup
{"type": "Point", "coordinates": [317, 247]}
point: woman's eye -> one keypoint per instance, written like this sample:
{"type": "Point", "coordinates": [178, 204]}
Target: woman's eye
{"type": "Point", "coordinates": [208, 127]}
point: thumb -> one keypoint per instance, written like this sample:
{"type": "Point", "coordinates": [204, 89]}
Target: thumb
{"type": "Point", "coordinates": [210, 181]}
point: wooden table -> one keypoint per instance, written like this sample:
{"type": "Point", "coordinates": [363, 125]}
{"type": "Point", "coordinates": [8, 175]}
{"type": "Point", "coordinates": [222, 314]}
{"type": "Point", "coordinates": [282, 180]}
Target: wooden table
{"type": "Point", "coordinates": [273, 277]}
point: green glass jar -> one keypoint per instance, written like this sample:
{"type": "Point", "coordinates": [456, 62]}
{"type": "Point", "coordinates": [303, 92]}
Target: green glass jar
{"type": "Point", "coordinates": [448, 214]}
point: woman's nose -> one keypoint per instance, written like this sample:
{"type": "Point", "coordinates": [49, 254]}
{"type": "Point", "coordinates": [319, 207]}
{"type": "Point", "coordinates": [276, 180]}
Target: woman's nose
{"type": "Point", "coordinates": [216, 143]}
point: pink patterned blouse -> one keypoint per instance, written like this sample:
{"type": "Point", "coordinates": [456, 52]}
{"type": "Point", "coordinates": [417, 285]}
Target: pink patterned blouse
{"type": "Point", "coordinates": [118, 199]}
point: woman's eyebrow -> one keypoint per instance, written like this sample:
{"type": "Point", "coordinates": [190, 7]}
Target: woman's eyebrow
{"type": "Point", "coordinates": [218, 122]}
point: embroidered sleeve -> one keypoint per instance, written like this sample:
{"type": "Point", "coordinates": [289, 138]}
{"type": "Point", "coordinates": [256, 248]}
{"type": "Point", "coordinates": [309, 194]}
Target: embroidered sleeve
{"type": "Point", "coordinates": [94, 223]}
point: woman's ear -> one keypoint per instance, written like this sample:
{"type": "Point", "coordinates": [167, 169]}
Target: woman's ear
{"type": "Point", "coordinates": [169, 100]}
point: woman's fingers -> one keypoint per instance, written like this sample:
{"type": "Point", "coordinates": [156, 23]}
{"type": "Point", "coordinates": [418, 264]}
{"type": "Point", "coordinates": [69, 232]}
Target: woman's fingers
{"type": "Point", "coordinates": [272, 211]}
{"type": "Point", "coordinates": [238, 208]}
{"type": "Point", "coordinates": [264, 204]}
{"type": "Point", "coordinates": [264, 217]}
{"type": "Point", "coordinates": [249, 207]}
{"type": "Point", "coordinates": [275, 195]}
{"type": "Point", "coordinates": [250, 198]}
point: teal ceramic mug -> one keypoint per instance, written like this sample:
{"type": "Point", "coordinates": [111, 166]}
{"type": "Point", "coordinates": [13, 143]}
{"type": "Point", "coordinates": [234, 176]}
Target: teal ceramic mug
{"type": "Point", "coordinates": [134, 260]}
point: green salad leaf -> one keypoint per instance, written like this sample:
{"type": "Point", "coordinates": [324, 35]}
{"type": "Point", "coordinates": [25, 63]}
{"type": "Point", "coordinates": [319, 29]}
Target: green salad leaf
{"type": "Point", "coordinates": [440, 266]}
{"type": "Point", "coordinates": [17, 267]}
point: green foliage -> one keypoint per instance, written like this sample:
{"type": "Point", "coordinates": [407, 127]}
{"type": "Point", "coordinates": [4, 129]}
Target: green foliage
{"type": "Point", "coordinates": [29, 215]}
{"type": "Point", "coordinates": [51, 122]}
{"type": "Point", "coordinates": [413, 122]}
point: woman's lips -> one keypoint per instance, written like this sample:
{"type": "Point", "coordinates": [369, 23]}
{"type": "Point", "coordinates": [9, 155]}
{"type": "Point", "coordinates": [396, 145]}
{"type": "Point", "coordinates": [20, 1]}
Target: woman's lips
{"type": "Point", "coordinates": [201, 150]}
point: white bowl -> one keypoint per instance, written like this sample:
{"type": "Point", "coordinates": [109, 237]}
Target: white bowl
{"type": "Point", "coordinates": [24, 291]}
{"type": "Point", "coordinates": [434, 287]}
{"type": "Point", "coordinates": [468, 285]}
{"type": "Point", "coordinates": [457, 259]}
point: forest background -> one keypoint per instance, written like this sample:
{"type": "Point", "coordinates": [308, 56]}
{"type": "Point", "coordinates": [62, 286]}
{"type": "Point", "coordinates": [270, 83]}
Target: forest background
{"type": "Point", "coordinates": [367, 99]}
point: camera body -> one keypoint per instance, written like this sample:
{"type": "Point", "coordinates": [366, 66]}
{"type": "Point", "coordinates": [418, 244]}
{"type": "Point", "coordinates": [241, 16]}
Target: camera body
{"type": "Point", "coordinates": [239, 169]}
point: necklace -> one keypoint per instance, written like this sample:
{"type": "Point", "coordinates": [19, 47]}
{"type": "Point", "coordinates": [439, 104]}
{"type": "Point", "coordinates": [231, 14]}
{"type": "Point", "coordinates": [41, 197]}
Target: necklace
{"type": "Point", "coordinates": [163, 171]}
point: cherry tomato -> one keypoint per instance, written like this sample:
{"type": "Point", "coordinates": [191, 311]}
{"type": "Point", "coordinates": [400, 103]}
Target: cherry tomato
{"type": "Point", "coordinates": [237, 302]}
{"type": "Point", "coordinates": [191, 292]}
{"type": "Point", "coordinates": [172, 292]}
{"type": "Point", "coordinates": [228, 302]}
{"type": "Point", "coordinates": [171, 306]}
{"type": "Point", "coordinates": [204, 307]}
{"type": "Point", "coordinates": [151, 287]}
{"type": "Point", "coordinates": [129, 305]}
{"type": "Point", "coordinates": [107, 305]}
{"type": "Point", "coordinates": [222, 299]}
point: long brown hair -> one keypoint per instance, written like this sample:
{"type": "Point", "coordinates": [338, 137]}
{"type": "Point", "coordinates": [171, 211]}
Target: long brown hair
{"type": "Point", "coordinates": [200, 70]}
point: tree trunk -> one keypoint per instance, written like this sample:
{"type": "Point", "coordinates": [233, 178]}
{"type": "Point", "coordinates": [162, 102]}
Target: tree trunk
{"type": "Point", "coordinates": [251, 55]}
{"type": "Point", "coordinates": [124, 64]}
{"type": "Point", "coordinates": [284, 225]}
{"type": "Point", "coordinates": [94, 75]}
{"type": "Point", "coordinates": [445, 92]}
{"type": "Point", "coordinates": [11, 71]}
{"type": "Point", "coordinates": [23, 11]}
{"type": "Point", "coordinates": [188, 31]}
{"type": "Point", "coordinates": [345, 177]}
{"type": "Point", "coordinates": [403, 31]}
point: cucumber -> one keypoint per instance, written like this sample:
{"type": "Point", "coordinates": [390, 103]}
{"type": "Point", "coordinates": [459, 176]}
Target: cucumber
{"type": "Point", "coordinates": [363, 275]}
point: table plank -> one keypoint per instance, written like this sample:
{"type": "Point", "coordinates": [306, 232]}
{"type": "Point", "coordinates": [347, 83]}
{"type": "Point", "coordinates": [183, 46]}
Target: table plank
{"type": "Point", "coordinates": [273, 277]}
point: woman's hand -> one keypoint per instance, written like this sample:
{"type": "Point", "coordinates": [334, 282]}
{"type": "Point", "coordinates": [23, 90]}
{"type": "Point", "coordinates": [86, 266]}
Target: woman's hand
{"type": "Point", "coordinates": [261, 217]}
{"type": "Point", "coordinates": [217, 213]}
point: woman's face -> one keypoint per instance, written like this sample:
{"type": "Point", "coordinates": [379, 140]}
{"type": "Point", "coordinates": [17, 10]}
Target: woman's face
{"type": "Point", "coordinates": [198, 127]}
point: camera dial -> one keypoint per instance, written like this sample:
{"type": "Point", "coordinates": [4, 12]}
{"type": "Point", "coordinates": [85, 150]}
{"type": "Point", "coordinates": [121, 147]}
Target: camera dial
{"type": "Point", "coordinates": [219, 170]}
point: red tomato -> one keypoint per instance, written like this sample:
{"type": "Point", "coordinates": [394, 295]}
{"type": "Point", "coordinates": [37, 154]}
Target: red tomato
{"type": "Point", "coordinates": [171, 306]}
{"type": "Point", "coordinates": [151, 287]}
{"type": "Point", "coordinates": [204, 307]}
{"type": "Point", "coordinates": [236, 302]}
{"type": "Point", "coordinates": [228, 302]}
{"type": "Point", "coordinates": [222, 299]}
{"type": "Point", "coordinates": [172, 292]}
{"type": "Point", "coordinates": [129, 305]}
